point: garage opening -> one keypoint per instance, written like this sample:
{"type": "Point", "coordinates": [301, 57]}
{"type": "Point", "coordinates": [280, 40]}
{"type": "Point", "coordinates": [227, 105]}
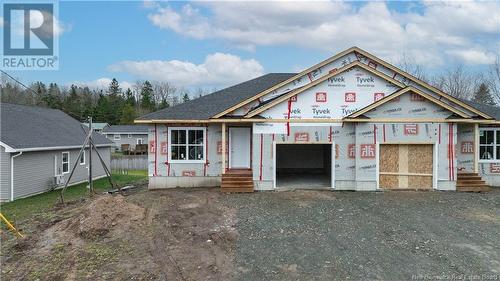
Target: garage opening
{"type": "Point", "coordinates": [303, 166]}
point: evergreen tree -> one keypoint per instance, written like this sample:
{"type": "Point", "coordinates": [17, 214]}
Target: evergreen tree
{"type": "Point", "coordinates": [147, 98]}
{"type": "Point", "coordinates": [185, 97]}
{"type": "Point", "coordinates": [483, 95]}
{"type": "Point", "coordinates": [129, 97]}
{"type": "Point", "coordinates": [53, 98]}
{"type": "Point", "coordinates": [128, 114]}
{"type": "Point", "coordinates": [114, 88]}
{"type": "Point", "coordinates": [164, 104]}
{"type": "Point", "coordinates": [115, 103]}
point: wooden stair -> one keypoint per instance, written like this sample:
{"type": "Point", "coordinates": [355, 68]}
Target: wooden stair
{"type": "Point", "coordinates": [471, 182]}
{"type": "Point", "coordinates": [237, 180]}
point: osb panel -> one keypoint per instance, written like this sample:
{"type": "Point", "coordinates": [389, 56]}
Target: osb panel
{"type": "Point", "coordinates": [389, 158]}
{"type": "Point", "coordinates": [420, 182]}
{"type": "Point", "coordinates": [389, 181]}
{"type": "Point", "coordinates": [420, 158]}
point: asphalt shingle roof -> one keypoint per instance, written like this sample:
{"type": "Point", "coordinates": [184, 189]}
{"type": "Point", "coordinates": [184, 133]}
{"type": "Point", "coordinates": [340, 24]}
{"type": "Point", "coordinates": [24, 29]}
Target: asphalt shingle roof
{"type": "Point", "coordinates": [493, 111]}
{"type": "Point", "coordinates": [126, 129]}
{"type": "Point", "coordinates": [207, 106]}
{"type": "Point", "coordinates": [23, 127]}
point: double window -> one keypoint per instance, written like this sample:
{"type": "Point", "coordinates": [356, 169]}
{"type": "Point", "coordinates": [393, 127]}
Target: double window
{"type": "Point", "coordinates": [489, 144]}
{"type": "Point", "coordinates": [117, 137]}
{"type": "Point", "coordinates": [187, 145]}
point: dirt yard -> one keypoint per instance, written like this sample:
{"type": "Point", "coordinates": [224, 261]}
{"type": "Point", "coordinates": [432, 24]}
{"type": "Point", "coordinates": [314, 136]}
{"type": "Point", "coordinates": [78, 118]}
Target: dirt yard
{"type": "Point", "coordinates": [201, 234]}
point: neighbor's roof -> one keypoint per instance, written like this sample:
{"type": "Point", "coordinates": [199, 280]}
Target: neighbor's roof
{"type": "Point", "coordinates": [126, 129]}
{"type": "Point", "coordinates": [207, 106]}
{"type": "Point", "coordinates": [97, 126]}
{"type": "Point", "coordinates": [493, 111]}
{"type": "Point", "coordinates": [35, 128]}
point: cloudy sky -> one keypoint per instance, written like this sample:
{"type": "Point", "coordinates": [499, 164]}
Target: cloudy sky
{"type": "Point", "coordinates": [216, 44]}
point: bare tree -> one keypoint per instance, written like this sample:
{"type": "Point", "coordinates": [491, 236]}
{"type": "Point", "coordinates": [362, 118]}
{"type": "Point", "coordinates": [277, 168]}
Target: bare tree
{"type": "Point", "coordinates": [408, 64]}
{"type": "Point", "coordinates": [458, 83]}
{"type": "Point", "coordinates": [493, 79]}
{"type": "Point", "coordinates": [163, 91]}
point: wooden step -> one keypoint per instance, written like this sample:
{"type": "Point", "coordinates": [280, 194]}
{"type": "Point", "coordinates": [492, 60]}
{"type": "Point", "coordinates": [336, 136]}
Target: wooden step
{"type": "Point", "coordinates": [237, 189]}
{"type": "Point", "coordinates": [237, 180]}
{"type": "Point", "coordinates": [470, 182]}
{"type": "Point", "coordinates": [476, 188]}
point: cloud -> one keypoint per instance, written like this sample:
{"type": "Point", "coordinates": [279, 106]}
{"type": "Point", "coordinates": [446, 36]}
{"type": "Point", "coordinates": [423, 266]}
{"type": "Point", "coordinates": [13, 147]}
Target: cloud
{"type": "Point", "coordinates": [102, 84]}
{"type": "Point", "coordinates": [332, 26]}
{"type": "Point", "coordinates": [217, 70]}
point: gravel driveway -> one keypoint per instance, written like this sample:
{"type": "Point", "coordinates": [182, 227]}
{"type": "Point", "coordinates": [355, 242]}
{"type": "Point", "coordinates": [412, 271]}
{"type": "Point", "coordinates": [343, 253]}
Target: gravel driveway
{"type": "Point", "coordinates": [322, 235]}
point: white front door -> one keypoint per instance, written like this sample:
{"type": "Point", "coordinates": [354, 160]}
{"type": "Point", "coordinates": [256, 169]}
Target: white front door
{"type": "Point", "coordinates": [239, 148]}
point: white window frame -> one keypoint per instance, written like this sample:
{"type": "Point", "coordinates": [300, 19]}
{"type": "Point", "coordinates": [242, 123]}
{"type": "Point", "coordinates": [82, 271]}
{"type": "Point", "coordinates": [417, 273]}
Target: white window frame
{"type": "Point", "coordinates": [68, 162]}
{"type": "Point", "coordinates": [129, 136]}
{"type": "Point", "coordinates": [495, 145]}
{"type": "Point", "coordinates": [139, 141]}
{"type": "Point", "coordinates": [187, 129]}
{"type": "Point", "coordinates": [84, 158]}
{"type": "Point", "coordinates": [117, 137]}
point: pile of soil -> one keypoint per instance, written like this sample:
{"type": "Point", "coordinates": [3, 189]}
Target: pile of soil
{"type": "Point", "coordinates": [151, 235]}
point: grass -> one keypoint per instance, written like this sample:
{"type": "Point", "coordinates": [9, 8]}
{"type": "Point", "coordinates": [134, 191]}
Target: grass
{"type": "Point", "coordinates": [23, 208]}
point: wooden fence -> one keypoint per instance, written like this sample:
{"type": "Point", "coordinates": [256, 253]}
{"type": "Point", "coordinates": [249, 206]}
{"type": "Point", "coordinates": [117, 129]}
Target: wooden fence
{"type": "Point", "coordinates": [122, 163]}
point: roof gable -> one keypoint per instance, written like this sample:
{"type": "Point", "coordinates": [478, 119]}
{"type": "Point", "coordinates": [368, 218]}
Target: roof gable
{"type": "Point", "coordinates": [347, 90]}
{"type": "Point", "coordinates": [408, 101]}
{"type": "Point", "coordinates": [341, 59]}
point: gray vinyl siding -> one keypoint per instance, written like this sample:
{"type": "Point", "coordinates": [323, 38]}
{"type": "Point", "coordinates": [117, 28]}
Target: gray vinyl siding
{"type": "Point", "coordinates": [34, 172]}
{"type": "Point", "coordinates": [4, 175]}
{"type": "Point", "coordinates": [126, 140]}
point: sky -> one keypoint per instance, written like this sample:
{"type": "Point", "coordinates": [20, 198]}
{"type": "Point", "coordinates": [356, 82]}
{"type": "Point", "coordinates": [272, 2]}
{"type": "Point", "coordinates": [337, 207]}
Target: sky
{"type": "Point", "coordinates": [217, 44]}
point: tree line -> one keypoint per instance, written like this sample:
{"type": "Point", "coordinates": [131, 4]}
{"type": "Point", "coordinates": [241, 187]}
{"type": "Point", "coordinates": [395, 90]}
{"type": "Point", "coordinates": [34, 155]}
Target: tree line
{"type": "Point", "coordinates": [480, 87]}
{"type": "Point", "coordinates": [112, 105]}
{"type": "Point", "coordinates": [117, 106]}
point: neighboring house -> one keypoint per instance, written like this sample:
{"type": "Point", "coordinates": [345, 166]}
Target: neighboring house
{"type": "Point", "coordinates": [127, 134]}
{"type": "Point", "coordinates": [351, 122]}
{"type": "Point", "coordinates": [98, 127]}
{"type": "Point", "coordinates": [39, 144]}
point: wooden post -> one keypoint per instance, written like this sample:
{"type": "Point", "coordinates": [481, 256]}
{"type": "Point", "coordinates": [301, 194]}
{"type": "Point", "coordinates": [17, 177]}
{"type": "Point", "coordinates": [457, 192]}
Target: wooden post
{"type": "Point", "coordinates": [476, 148]}
{"type": "Point", "coordinates": [223, 148]}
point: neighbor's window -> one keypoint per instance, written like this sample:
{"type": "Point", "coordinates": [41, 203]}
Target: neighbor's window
{"type": "Point", "coordinates": [65, 162]}
{"type": "Point", "coordinates": [82, 158]}
{"type": "Point", "coordinates": [129, 136]}
{"type": "Point", "coordinates": [139, 141]}
{"type": "Point", "coordinates": [117, 137]}
{"type": "Point", "coordinates": [489, 144]}
{"type": "Point", "coordinates": [187, 144]}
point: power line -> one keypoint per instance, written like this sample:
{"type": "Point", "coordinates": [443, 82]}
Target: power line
{"type": "Point", "coordinates": [19, 82]}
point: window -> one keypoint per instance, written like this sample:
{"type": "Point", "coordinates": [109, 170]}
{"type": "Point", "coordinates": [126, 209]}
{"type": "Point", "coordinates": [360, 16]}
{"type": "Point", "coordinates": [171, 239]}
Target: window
{"type": "Point", "coordinates": [139, 141]}
{"type": "Point", "coordinates": [489, 144]}
{"type": "Point", "coordinates": [65, 162]}
{"type": "Point", "coordinates": [82, 158]}
{"type": "Point", "coordinates": [187, 145]}
{"type": "Point", "coordinates": [129, 136]}
{"type": "Point", "coordinates": [117, 137]}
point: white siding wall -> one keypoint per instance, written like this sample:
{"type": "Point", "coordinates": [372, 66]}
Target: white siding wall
{"type": "Point", "coordinates": [4, 175]}
{"type": "Point", "coordinates": [34, 171]}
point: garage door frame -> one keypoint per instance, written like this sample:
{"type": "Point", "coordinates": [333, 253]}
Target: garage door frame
{"type": "Point", "coordinates": [332, 151]}
{"type": "Point", "coordinates": [434, 160]}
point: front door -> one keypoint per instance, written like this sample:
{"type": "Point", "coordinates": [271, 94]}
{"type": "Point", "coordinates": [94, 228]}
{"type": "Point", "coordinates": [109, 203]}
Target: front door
{"type": "Point", "coordinates": [239, 148]}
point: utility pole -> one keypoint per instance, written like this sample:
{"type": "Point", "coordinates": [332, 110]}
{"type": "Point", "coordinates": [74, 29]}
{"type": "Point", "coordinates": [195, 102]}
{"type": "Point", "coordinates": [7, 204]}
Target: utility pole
{"type": "Point", "coordinates": [91, 188]}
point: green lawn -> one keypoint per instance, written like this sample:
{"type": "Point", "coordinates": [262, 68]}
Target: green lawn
{"type": "Point", "coordinates": [23, 208]}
